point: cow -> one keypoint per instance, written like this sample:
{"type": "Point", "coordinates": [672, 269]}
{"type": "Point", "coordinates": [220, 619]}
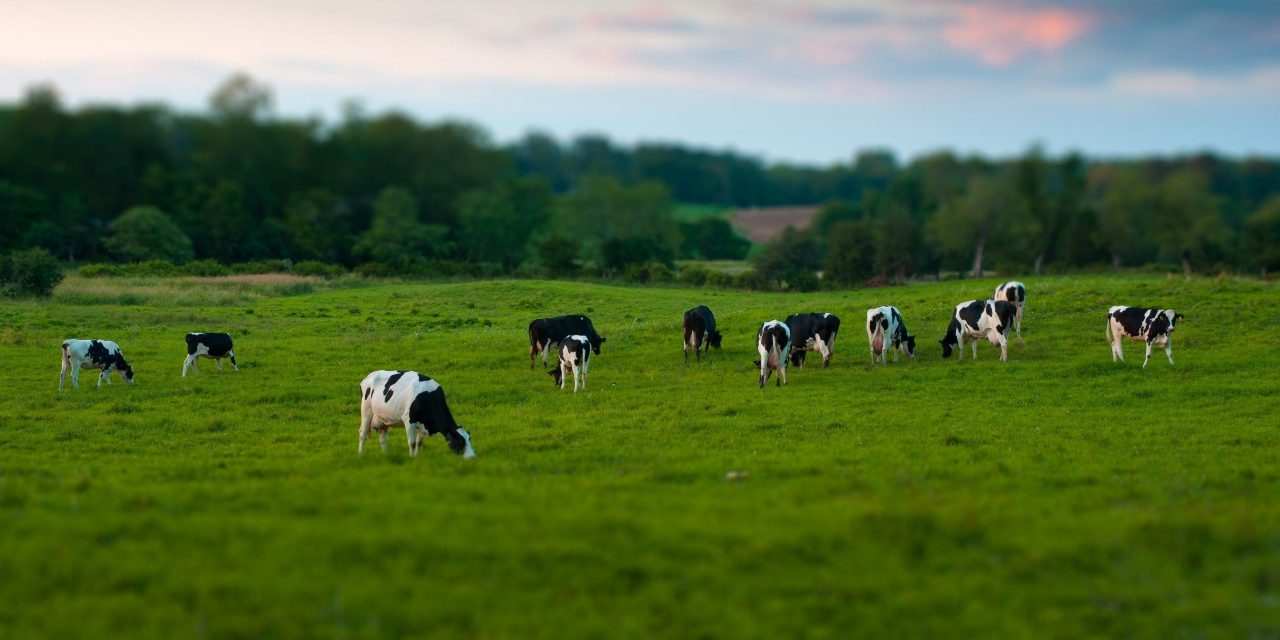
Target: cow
{"type": "Point", "coordinates": [1155, 326]}
{"type": "Point", "coordinates": [214, 346]}
{"type": "Point", "coordinates": [774, 344]}
{"type": "Point", "coordinates": [575, 358]}
{"type": "Point", "coordinates": [812, 332]}
{"type": "Point", "coordinates": [1016, 293]}
{"type": "Point", "coordinates": [700, 332]}
{"type": "Point", "coordinates": [545, 332]}
{"type": "Point", "coordinates": [976, 319]}
{"type": "Point", "coordinates": [99, 354]}
{"type": "Point", "coordinates": [389, 398]}
{"type": "Point", "coordinates": [887, 332]}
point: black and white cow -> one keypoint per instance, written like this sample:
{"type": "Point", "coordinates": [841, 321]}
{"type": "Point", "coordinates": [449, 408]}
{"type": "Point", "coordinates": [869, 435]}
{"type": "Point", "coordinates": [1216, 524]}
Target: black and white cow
{"type": "Point", "coordinates": [390, 398]}
{"type": "Point", "coordinates": [575, 358]}
{"type": "Point", "coordinates": [977, 319]}
{"type": "Point", "coordinates": [214, 346]}
{"type": "Point", "coordinates": [98, 354]}
{"type": "Point", "coordinates": [887, 332]}
{"type": "Point", "coordinates": [773, 342]}
{"type": "Point", "coordinates": [700, 332]}
{"type": "Point", "coordinates": [1014, 292]}
{"type": "Point", "coordinates": [1155, 326]}
{"type": "Point", "coordinates": [812, 332]}
{"type": "Point", "coordinates": [545, 332]}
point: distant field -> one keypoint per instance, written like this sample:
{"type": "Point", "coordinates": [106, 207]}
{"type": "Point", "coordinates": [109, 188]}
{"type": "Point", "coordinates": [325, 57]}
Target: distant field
{"type": "Point", "coordinates": [1057, 494]}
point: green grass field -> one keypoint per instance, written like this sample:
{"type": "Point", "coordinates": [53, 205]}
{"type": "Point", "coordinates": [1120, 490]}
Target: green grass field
{"type": "Point", "coordinates": [1057, 494]}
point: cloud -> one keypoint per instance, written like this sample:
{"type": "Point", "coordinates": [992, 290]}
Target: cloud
{"type": "Point", "coordinates": [1001, 34]}
{"type": "Point", "coordinates": [1261, 84]}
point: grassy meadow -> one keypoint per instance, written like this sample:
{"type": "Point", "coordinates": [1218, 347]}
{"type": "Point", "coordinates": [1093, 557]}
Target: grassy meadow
{"type": "Point", "coordinates": [1058, 494]}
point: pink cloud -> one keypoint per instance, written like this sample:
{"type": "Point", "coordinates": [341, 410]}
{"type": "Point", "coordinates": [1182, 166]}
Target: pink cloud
{"type": "Point", "coordinates": [1001, 34]}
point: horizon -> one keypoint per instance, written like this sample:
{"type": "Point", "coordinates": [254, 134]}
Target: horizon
{"type": "Point", "coordinates": [811, 85]}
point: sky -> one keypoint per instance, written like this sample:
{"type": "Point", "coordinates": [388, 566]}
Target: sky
{"type": "Point", "coordinates": [809, 82]}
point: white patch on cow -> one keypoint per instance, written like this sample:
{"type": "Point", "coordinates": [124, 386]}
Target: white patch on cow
{"type": "Point", "coordinates": [469, 453]}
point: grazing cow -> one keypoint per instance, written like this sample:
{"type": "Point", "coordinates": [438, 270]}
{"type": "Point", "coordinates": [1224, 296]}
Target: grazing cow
{"type": "Point", "coordinates": [700, 332]}
{"type": "Point", "coordinates": [976, 319]}
{"type": "Point", "coordinates": [1016, 293]}
{"type": "Point", "coordinates": [887, 332]}
{"type": "Point", "coordinates": [389, 398]}
{"type": "Point", "coordinates": [575, 358]}
{"type": "Point", "coordinates": [812, 332]}
{"type": "Point", "coordinates": [774, 344]}
{"type": "Point", "coordinates": [545, 332]}
{"type": "Point", "coordinates": [214, 346]}
{"type": "Point", "coordinates": [1152, 325]}
{"type": "Point", "coordinates": [99, 354]}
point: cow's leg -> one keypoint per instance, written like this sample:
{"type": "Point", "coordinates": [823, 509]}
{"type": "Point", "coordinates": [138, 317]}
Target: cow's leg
{"type": "Point", "coordinates": [366, 422]}
{"type": "Point", "coordinates": [1144, 361]}
{"type": "Point", "coordinates": [75, 375]}
{"type": "Point", "coordinates": [686, 351]}
{"type": "Point", "coordinates": [576, 375]}
{"type": "Point", "coordinates": [219, 361]}
{"type": "Point", "coordinates": [412, 433]}
{"type": "Point", "coordinates": [1017, 324]}
{"type": "Point", "coordinates": [545, 348]}
{"type": "Point", "coordinates": [1168, 348]}
{"type": "Point", "coordinates": [764, 370]}
{"type": "Point", "coordinates": [102, 376]}
{"type": "Point", "coordinates": [975, 349]}
{"type": "Point", "coordinates": [382, 438]}
{"type": "Point", "coordinates": [232, 354]}
{"type": "Point", "coordinates": [1004, 348]}
{"type": "Point", "coordinates": [186, 364]}
{"type": "Point", "coordinates": [62, 377]}
{"type": "Point", "coordinates": [533, 355]}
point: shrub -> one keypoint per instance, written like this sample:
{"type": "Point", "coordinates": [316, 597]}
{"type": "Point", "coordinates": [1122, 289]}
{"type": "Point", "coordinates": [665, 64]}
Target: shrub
{"type": "Point", "coordinates": [751, 279]}
{"type": "Point", "coordinates": [99, 270]}
{"type": "Point", "coordinates": [34, 272]}
{"type": "Point", "coordinates": [317, 268]}
{"type": "Point", "coordinates": [144, 233]}
{"type": "Point", "coordinates": [156, 268]}
{"type": "Point", "coordinates": [262, 266]}
{"type": "Point", "coordinates": [720, 279]}
{"type": "Point", "coordinates": [643, 273]}
{"type": "Point", "coordinates": [378, 270]}
{"type": "Point", "coordinates": [205, 268]}
{"type": "Point", "coordinates": [694, 275]}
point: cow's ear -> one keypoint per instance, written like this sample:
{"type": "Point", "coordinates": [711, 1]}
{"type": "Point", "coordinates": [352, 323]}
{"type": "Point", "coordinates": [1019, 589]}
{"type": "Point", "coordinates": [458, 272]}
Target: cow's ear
{"type": "Point", "coordinates": [1178, 316]}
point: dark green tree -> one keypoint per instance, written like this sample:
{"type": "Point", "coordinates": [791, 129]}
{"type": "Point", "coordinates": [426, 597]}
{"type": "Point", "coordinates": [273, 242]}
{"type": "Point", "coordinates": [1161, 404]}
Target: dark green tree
{"type": "Point", "coordinates": [146, 233]}
{"type": "Point", "coordinates": [496, 224]}
{"type": "Point", "coordinates": [397, 236]}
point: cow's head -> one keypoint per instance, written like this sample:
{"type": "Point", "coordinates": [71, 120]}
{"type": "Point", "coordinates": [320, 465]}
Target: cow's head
{"type": "Point", "coordinates": [910, 345]}
{"type": "Point", "coordinates": [126, 372]}
{"type": "Point", "coordinates": [460, 442]}
{"type": "Point", "coordinates": [555, 375]}
{"type": "Point", "coordinates": [1174, 322]}
{"type": "Point", "coordinates": [714, 339]}
{"type": "Point", "coordinates": [946, 347]}
{"type": "Point", "coordinates": [595, 344]}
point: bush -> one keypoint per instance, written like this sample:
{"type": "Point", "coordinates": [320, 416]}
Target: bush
{"type": "Point", "coordinates": [317, 268]}
{"type": "Point", "coordinates": [34, 272]}
{"type": "Point", "coordinates": [643, 273]}
{"type": "Point", "coordinates": [262, 266]}
{"type": "Point", "coordinates": [694, 275]}
{"type": "Point", "coordinates": [378, 270]}
{"type": "Point", "coordinates": [98, 270]}
{"type": "Point", "coordinates": [205, 268]}
{"type": "Point", "coordinates": [145, 233]}
{"type": "Point", "coordinates": [720, 279]}
{"type": "Point", "coordinates": [751, 279]}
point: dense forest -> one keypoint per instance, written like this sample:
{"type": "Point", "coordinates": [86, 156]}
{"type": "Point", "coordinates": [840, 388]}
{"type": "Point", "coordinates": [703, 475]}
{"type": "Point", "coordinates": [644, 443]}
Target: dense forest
{"type": "Point", "coordinates": [237, 183]}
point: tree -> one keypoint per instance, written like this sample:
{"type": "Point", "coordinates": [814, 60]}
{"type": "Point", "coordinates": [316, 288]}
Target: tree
{"type": "Point", "coordinates": [496, 223]}
{"type": "Point", "coordinates": [712, 239]}
{"type": "Point", "coordinates": [396, 236]}
{"type": "Point", "coordinates": [146, 233]}
{"type": "Point", "coordinates": [792, 257]}
{"type": "Point", "coordinates": [29, 273]}
{"type": "Point", "coordinates": [559, 254]}
{"type": "Point", "coordinates": [319, 225]}
{"type": "Point", "coordinates": [603, 208]}
{"type": "Point", "coordinates": [851, 251]}
{"type": "Point", "coordinates": [898, 248]}
{"type": "Point", "coordinates": [1122, 213]}
{"type": "Point", "coordinates": [240, 96]}
{"type": "Point", "coordinates": [971, 221]}
{"type": "Point", "coordinates": [1261, 237]}
{"type": "Point", "coordinates": [1189, 225]}
{"type": "Point", "coordinates": [20, 207]}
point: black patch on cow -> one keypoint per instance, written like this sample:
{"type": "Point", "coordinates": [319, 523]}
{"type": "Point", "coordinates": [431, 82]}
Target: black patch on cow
{"type": "Point", "coordinates": [386, 389]}
{"type": "Point", "coordinates": [432, 411]}
{"type": "Point", "coordinates": [1131, 320]}
{"type": "Point", "coordinates": [971, 312]}
{"type": "Point", "coordinates": [1159, 326]}
{"type": "Point", "coordinates": [368, 392]}
{"type": "Point", "coordinates": [877, 319]}
{"type": "Point", "coordinates": [123, 367]}
{"type": "Point", "coordinates": [98, 354]}
{"type": "Point", "coordinates": [1005, 311]}
{"type": "Point", "coordinates": [219, 344]}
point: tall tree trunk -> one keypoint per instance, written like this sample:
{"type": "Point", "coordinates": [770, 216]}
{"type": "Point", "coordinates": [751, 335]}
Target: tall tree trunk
{"type": "Point", "coordinates": [977, 256]}
{"type": "Point", "coordinates": [1039, 263]}
{"type": "Point", "coordinates": [1186, 263]}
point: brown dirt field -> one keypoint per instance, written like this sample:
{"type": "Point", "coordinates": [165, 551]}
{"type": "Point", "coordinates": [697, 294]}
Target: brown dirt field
{"type": "Point", "coordinates": [764, 224]}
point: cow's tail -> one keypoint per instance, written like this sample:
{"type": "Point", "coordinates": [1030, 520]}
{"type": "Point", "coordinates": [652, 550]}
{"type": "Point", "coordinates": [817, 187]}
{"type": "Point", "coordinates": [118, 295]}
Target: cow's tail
{"type": "Point", "coordinates": [66, 355]}
{"type": "Point", "coordinates": [1110, 339]}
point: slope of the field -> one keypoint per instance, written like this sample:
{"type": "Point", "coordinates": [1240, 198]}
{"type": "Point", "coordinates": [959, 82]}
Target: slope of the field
{"type": "Point", "coordinates": [1057, 494]}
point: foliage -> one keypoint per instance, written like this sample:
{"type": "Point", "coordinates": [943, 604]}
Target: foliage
{"type": "Point", "coordinates": [317, 268]}
{"type": "Point", "coordinates": [146, 233]}
{"type": "Point", "coordinates": [396, 235]}
{"type": "Point", "coordinates": [793, 258]}
{"type": "Point", "coordinates": [604, 209]}
{"type": "Point", "coordinates": [32, 272]}
{"type": "Point", "coordinates": [496, 223]}
{"type": "Point", "coordinates": [620, 253]}
{"type": "Point", "coordinates": [1261, 237]}
{"type": "Point", "coordinates": [647, 273]}
{"type": "Point", "coordinates": [559, 254]}
{"type": "Point", "coordinates": [851, 252]}
{"type": "Point", "coordinates": [712, 239]}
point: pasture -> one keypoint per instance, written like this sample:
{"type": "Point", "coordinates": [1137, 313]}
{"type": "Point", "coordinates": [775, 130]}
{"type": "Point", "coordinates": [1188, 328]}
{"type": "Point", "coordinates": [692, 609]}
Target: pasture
{"type": "Point", "coordinates": [1057, 494]}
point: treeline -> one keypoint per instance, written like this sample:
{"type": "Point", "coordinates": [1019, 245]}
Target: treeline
{"type": "Point", "coordinates": [235, 184]}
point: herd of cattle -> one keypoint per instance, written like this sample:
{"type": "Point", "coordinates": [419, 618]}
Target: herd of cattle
{"type": "Point", "coordinates": [416, 402]}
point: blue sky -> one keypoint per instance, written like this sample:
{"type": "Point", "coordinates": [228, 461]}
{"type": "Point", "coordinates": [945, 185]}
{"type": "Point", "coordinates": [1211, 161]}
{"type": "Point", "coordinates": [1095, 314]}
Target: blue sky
{"type": "Point", "coordinates": [809, 82]}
